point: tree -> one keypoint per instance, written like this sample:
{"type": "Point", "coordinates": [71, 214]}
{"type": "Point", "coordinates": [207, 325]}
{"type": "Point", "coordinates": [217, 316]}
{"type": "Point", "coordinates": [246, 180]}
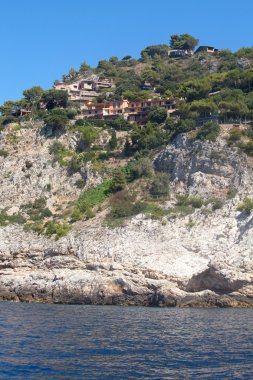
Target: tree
{"type": "Point", "coordinates": [141, 168]}
{"type": "Point", "coordinates": [209, 131]}
{"type": "Point", "coordinates": [114, 60]}
{"type": "Point", "coordinates": [118, 180]}
{"type": "Point", "coordinates": [113, 140]}
{"type": "Point", "coordinates": [203, 107]}
{"type": "Point", "coordinates": [87, 136]}
{"type": "Point", "coordinates": [84, 67]}
{"type": "Point", "coordinates": [127, 58]}
{"type": "Point", "coordinates": [183, 41]}
{"type": "Point", "coordinates": [57, 120]}
{"type": "Point", "coordinates": [33, 94]}
{"type": "Point", "coordinates": [157, 115]}
{"type": "Point", "coordinates": [151, 51]}
{"type": "Point", "coordinates": [55, 98]}
{"type": "Point", "coordinates": [160, 185]}
{"type": "Point", "coordinates": [194, 89]}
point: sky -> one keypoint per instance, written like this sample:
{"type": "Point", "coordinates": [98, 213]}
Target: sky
{"type": "Point", "coordinates": [42, 40]}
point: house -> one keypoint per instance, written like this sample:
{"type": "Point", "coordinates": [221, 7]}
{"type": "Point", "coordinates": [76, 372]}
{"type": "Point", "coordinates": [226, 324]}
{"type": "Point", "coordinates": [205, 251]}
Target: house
{"type": "Point", "coordinates": [134, 112]}
{"type": "Point", "coordinates": [147, 86]}
{"type": "Point", "coordinates": [84, 89]}
{"type": "Point", "coordinates": [206, 49]}
{"type": "Point", "coordinates": [179, 53]}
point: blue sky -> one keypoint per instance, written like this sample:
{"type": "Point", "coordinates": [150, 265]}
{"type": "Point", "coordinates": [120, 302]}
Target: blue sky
{"type": "Point", "coordinates": [41, 40]}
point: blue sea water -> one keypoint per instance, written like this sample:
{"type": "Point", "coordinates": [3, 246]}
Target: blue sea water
{"type": "Point", "coordinates": [40, 341]}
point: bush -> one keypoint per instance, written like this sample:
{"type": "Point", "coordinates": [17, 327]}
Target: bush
{"type": "Point", "coordinates": [37, 227]}
{"type": "Point", "coordinates": [186, 200]}
{"type": "Point", "coordinates": [80, 183]}
{"type": "Point", "coordinates": [196, 202]}
{"type": "Point", "coordinates": [123, 206]}
{"type": "Point", "coordinates": [79, 123]}
{"type": "Point", "coordinates": [37, 210]}
{"type": "Point", "coordinates": [246, 206]}
{"type": "Point", "coordinates": [6, 219]}
{"type": "Point", "coordinates": [113, 140]}
{"type": "Point", "coordinates": [209, 131]}
{"type": "Point", "coordinates": [234, 137]}
{"type": "Point", "coordinates": [89, 199]}
{"type": "Point", "coordinates": [216, 204]}
{"type": "Point", "coordinates": [71, 114]}
{"type": "Point", "coordinates": [88, 135]}
{"type": "Point", "coordinates": [118, 180]}
{"type": "Point", "coordinates": [140, 168]}
{"type": "Point", "coordinates": [3, 153]}
{"type": "Point", "coordinates": [59, 151]}
{"type": "Point", "coordinates": [57, 120]}
{"type": "Point", "coordinates": [157, 115]}
{"type": "Point", "coordinates": [160, 185]}
{"type": "Point", "coordinates": [231, 193]}
{"type": "Point", "coordinates": [57, 229]}
{"type": "Point", "coordinates": [155, 211]}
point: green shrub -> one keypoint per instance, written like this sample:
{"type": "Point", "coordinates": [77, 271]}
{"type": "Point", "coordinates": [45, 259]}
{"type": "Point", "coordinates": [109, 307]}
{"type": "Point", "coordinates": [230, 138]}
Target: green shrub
{"type": "Point", "coordinates": [234, 136]}
{"type": "Point", "coordinates": [155, 211]}
{"type": "Point", "coordinates": [140, 168]}
{"type": "Point", "coordinates": [80, 183]}
{"type": "Point", "coordinates": [118, 180]}
{"type": "Point", "coordinates": [113, 140]}
{"type": "Point", "coordinates": [160, 185]}
{"type": "Point", "coordinates": [71, 113]}
{"type": "Point", "coordinates": [216, 204]}
{"type": "Point", "coordinates": [247, 147]}
{"type": "Point", "coordinates": [182, 199]}
{"type": "Point", "coordinates": [37, 210]}
{"type": "Point", "coordinates": [79, 123]}
{"type": "Point", "coordinates": [37, 227]}
{"type": "Point", "coordinates": [57, 120]}
{"type": "Point", "coordinates": [6, 219]}
{"type": "Point", "coordinates": [78, 160]}
{"type": "Point", "coordinates": [3, 153]}
{"type": "Point", "coordinates": [196, 202]}
{"type": "Point", "coordinates": [57, 229]}
{"type": "Point", "coordinates": [186, 200]}
{"type": "Point", "coordinates": [157, 115]}
{"type": "Point", "coordinates": [209, 131]}
{"type": "Point", "coordinates": [88, 134]}
{"type": "Point", "coordinates": [231, 193]}
{"type": "Point", "coordinates": [89, 199]}
{"type": "Point", "coordinates": [123, 206]}
{"type": "Point", "coordinates": [246, 206]}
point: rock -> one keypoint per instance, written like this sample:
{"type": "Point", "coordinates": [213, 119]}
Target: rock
{"type": "Point", "coordinates": [204, 260]}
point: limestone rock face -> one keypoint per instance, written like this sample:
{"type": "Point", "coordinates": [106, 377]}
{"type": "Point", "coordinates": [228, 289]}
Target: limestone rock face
{"type": "Point", "coordinates": [204, 168]}
{"type": "Point", "coordinates": [29, 171]}
{"type": "Point", "coordinates": [203, 259]}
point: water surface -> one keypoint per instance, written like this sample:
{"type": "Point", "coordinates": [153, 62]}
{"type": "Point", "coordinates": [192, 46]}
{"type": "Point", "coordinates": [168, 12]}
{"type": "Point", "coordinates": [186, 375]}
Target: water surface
{"type": "Point", "coordinates": [40, 341]}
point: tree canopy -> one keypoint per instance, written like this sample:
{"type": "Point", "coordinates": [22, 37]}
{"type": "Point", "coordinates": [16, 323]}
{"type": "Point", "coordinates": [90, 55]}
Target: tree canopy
{"type": "Point", "coordinates": [183, 41]}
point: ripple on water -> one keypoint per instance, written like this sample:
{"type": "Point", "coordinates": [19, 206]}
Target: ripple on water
{"type": "Point", "coordinates": [89, 342]}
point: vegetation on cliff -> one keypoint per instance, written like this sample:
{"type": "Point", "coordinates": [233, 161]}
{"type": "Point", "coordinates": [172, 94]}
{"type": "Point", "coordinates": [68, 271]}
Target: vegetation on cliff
{"type": "Point", "coordinates": [209, 90]}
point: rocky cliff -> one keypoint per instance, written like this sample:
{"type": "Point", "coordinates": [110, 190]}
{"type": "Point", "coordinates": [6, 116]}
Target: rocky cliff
{"type": "Point", "coordinates": [200, 259]}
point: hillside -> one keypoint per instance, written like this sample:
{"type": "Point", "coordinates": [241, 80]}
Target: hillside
{"type": "Point", "coordinates": [141, 193]}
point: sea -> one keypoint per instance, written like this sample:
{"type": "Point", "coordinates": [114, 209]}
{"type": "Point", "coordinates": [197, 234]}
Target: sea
{"type": "Point", "coordinates": [42, 341]}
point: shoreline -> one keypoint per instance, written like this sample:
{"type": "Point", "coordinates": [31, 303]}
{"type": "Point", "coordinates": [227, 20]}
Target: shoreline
{"type": "Point", "coordinates": [151, 300]}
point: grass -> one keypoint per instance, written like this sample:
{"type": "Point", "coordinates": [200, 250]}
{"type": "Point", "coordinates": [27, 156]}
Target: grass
{"type": "Point", "coordinates": [89, 199]}
{"type": "Point", "coordinates": [6, 219]}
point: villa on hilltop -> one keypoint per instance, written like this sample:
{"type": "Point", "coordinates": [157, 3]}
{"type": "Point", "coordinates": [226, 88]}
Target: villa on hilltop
{"type": "Point", "coordinates": [85, 91]}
